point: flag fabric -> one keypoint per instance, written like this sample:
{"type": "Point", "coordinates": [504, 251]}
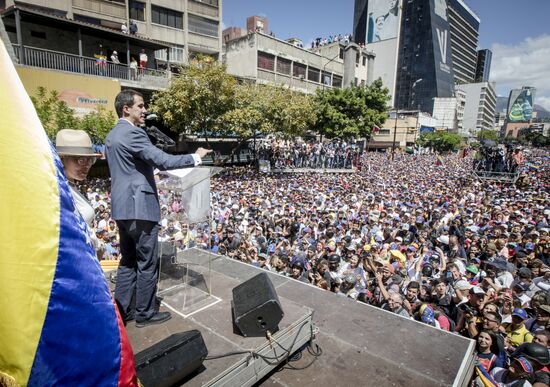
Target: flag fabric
{"type": "Point", "coordinates": [439, 160]}
{"type": "Point", "coordinates": [58, 322]}
{"type": "Point", "coordinates": [485, 377]}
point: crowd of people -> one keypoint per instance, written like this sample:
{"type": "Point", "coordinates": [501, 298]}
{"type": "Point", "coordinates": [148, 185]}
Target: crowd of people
{"type": "Point", "coordinates": [417, 237]}
{"type": "Point", "coordinates": [319, 42]}
{"type": "Point", "coordinates": [299, 153]}
{"type": "Point", "coordinates": [493, 158]}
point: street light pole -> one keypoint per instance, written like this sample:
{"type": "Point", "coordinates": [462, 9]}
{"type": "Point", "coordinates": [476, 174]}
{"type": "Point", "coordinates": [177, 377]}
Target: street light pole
{"type": "Point", "coordinates": [416, 125]}
{"type": "Point", "coordinates": [394, 135]}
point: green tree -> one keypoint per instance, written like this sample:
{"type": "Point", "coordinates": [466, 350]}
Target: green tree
{"type": "Point", "coordinates": [487, 135]}
{"type": "Point", "coordinates": [197, 98]}
{"type": "Point", "coordinates": [262, 109]}
{"type": "Point", "coordinates": [352, 112]}
{"type": "Point", "coordinates": [536, 139]}
{"type": "Point", "coordinates": [440, 141]}
{"type": "Point", "coordinates": [97, 124]}
{"type": "Point", "coordinates": [290, 113]}
{"type": "Point", "coordinates": [54, 114]}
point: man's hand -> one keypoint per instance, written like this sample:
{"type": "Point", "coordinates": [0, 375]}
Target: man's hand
{"type": "Point", "coordinates": [203, 152]}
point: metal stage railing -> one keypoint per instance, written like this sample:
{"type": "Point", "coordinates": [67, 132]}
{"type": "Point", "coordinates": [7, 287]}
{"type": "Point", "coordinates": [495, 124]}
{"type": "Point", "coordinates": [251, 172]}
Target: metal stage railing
{"type": "Point", "coordinates": [503, 177]}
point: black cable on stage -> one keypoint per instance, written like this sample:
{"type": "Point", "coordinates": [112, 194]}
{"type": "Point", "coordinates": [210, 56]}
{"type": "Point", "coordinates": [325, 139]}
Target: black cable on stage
{"type": "Point", "coordinates": [266, 358]}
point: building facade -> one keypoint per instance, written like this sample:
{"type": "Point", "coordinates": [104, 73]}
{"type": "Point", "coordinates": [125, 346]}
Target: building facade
{"type": "Point", "coordinates": [423, 47]}
{"type": "Point", "coordinates": [189, 27]}
{"type": "Point", "coordinates": [377, 25]}
{"type": "Point", "coordinates": [424, 66]}
{"type": "Point", "coordinates": [261, 58]}
{"type": "Point", "coordinates": [464, 29]}
{"type": "Point", "coordinates": [449, 113]}
{"type": "Point", "coordinates": [483, 66]}
{"type": "Point", "coordinates": [480, 107]}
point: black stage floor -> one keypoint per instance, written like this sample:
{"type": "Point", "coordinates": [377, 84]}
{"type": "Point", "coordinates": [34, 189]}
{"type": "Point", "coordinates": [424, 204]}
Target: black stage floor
{"type": "Point", "coordinates": [362, 345]}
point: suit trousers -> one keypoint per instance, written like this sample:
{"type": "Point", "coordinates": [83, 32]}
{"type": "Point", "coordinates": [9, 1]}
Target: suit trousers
{"type": "Point", "coordinates": [138, 269]}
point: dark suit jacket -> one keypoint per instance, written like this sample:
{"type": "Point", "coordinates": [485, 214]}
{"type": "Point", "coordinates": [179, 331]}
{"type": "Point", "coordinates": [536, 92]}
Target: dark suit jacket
{"type": "Point", "coordinates": [132, 158]}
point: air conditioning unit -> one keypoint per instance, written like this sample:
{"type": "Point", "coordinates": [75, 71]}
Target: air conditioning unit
{"type": "Point", "coordinates": [301, 77]}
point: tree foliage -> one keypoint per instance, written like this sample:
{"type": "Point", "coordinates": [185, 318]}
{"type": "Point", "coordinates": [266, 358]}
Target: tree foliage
{"type": "Point", "coordinates": [197, 98]}
{"type": "Point", "coordinates": [440, 141]}
{"type": "Point", "coordinates": [536, 139]}
{"type": "Point", "coordinates": [352, 112]}
{"type": "Point", "coordinates": [97, 124]}
{"type": "Point", "coordinates": [55, 114]}
{"type": "Point", "coordinates": [487, 135]}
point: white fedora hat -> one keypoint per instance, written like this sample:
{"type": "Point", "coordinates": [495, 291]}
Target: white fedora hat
{"type": "Point", "coordinates": [71, 142]}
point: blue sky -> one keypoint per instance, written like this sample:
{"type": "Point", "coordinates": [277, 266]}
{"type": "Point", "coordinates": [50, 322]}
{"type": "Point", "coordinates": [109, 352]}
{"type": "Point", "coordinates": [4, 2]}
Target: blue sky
{"type": "Point", "coordinates": [517, 31]}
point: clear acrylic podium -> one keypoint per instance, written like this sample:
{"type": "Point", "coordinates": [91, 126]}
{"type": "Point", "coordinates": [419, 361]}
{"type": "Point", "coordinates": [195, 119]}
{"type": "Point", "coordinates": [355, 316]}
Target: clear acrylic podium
{"type": "Point", "coordinates": [185, 284]}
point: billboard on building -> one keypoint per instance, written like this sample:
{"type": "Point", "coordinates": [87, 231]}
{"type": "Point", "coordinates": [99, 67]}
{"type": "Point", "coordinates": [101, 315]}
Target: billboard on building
{"type": "Point", "coordinates": [520, 104]}
{"type": "Point", "coordinates": [383, 20]}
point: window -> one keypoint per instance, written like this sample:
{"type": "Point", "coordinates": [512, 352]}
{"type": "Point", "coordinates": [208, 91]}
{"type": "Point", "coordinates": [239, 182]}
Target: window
{"type": "Point", "coordinates": [384, 131]}
{"type": "Point", "coordinates": [176, 54]}
{"type": "Point", "coordinates": [202, 25]}
{"type": "Point", "coordinates": [325, 77]}
{"type": "Point", "coordinates": [166, 17]}
{"type": "Point", "coordinates": [313, 74]}
{"type": "Point", "coordinates": [266, 61]}
{"type": "Point", "coordinates": [341, 54]}
{"type": "Point", "coordinates": [283, 66]}
{"type": "Point", "coordinates": [299, 70]}
{"type": "Point", "coordinates": [137, 10]}
{"type": "Point", "coordinates": [364, 61]}
{"type": "Point", "coordinates": [336, 81]}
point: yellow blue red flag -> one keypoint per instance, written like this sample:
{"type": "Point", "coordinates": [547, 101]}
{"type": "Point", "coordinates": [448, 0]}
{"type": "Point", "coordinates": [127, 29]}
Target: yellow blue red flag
{"type": "Point", "coordinates": [58, 323]}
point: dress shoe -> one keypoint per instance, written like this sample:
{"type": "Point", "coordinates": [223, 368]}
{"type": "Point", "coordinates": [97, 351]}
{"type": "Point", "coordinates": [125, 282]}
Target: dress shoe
{"type": "Point", "coordinates": [157, 318]}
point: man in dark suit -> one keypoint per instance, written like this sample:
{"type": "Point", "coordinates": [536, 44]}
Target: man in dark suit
{"type": "Point", "coordinates": [135, 206]}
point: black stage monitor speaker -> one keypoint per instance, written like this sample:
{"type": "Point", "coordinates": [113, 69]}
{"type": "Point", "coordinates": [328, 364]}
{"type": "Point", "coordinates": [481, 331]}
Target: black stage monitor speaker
{"type": "Point", "coordinates": [169, 361]}
{"type": "Point", "coordinates": [256, 307]}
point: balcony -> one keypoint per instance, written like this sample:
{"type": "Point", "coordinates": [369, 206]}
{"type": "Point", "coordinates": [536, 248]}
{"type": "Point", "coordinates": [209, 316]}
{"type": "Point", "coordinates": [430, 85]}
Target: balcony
{"type": "Point", "coordinates": [102, 7]}
{"type": "Point", "coordinates": [55, 60]}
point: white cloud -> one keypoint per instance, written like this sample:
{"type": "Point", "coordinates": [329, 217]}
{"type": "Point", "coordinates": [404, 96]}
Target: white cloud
{"type": "Point", "coordinates": [523, 64]}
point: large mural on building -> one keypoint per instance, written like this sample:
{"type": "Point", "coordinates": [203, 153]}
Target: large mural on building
{"type": "Point", "coordinates": [520, 104]}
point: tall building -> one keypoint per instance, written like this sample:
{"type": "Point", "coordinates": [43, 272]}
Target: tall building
{"type": "Point", "coordinates": [483, 67]}
{"type": "Point", "coordinates": [449, 112]}
{"type": "Point", "coordinates": [360, 14]}
{"type": "Point", "coordinates": [423, 47]}
{"type": "Point", "coordinates": [464, 28]}
{"type": "Point", "coordinates": [377, 24]}
{"type": "Point", "coordinates": [480, 108]}
{"type": "Point", "coordinates": [519, 113]}
{"type": "Point", "coordinates": [424, 65]}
